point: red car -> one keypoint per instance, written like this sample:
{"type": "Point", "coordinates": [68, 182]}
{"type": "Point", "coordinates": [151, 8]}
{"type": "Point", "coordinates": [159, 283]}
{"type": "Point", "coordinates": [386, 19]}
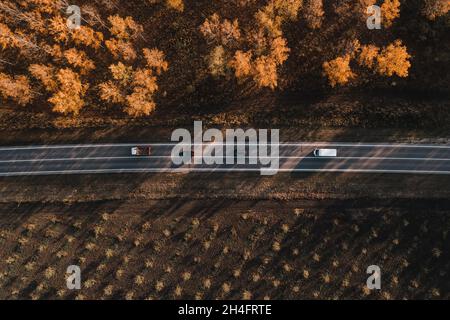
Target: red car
{"type": "Point", "coordinates": [141, 151]}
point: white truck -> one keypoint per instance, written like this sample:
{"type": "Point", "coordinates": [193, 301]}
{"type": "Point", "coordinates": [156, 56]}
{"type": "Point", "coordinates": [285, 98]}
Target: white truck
{"type": "Point", "coordinates": [325, 152]}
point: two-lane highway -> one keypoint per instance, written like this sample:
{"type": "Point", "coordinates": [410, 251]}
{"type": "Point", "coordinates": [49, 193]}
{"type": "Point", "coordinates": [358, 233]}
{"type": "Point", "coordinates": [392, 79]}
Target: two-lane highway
{"type": "Point", "coordinates": [294, 157]}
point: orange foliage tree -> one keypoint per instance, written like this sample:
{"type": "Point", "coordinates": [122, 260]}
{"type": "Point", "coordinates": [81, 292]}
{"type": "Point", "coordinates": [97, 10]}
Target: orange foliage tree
{"type": "Point", "coordinates": [394, 59]}
{"type": "Point", "coordinates": [368, 55]}
{"type": "Point", "coordinates": [241, 63]}
{"type": "Point", "coordinates": [38, 28]}
{"type": "Point", "coordinates": [390, 10]}
{"type": "Point", "coordinates": [16, 88]}
{"type": "Point", "coordinates": [217, 61]}
{"type": "Point", "coordinates": [45, 74]}
{"type": "Point", "coordinates": [65, 86]}
{"type": "Point", "coordinates": [313, 13]}
{"type": "Point", "coordinates": [79, 60]}
{"type": "Point", "coordinates": [173, 4]}
{"type": "Point", "coordinates": [267, 48]}
{"type": "Point", "coordinates": [338, 70]}
{"type": "Point", "coordinates": [265, 72]}
{"type": "Point", "coordinates": [68, 97]}
{"type": "Point", "coordinates": [223, 32]}
{"type": "Point", "coordinates": [388, 61]}
{"type": "Point", "coordinates": [124, 31]}
{"type": "Point", "coordinates": [67, 57]}
{"type": "Point", "coordinates": [6, 36]}
{"type": "Point", "coordinates": [135, 88]}
{"type": "Point", "coordinates": [435, 8]}
{"type": "Point", "coordinates": [87, 36]}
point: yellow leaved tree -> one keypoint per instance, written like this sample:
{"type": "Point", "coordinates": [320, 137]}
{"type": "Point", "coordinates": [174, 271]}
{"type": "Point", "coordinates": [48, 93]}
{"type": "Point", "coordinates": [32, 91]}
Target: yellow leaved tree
{"type": "Point", "coordinates": [135, 88]}
{"type": "Point", "coordinates": [265, 47]}
{"type": "Point", "coordinates": [124, 31]}
{"type": "Point", "coordinates": [338, 70]}
{"type": "Point", "coordinates": [173, 4]}
{"type": "Point", "coordinates": [16, 88]}
{"type": "Point", "coordinates": [69, 95]}
{"type": "Point", "coordinates": [65, 86]}
{"type": "Point", "coordinates": [394, 59]}
{"type": "Point", "coordinates": [433, 9]}
{"type": "Point", "coordinates": [390, 10]}
{"type": "Point", "coordinates": [391, 60]}
{"type": "Point", "coordinates": [313, 13]}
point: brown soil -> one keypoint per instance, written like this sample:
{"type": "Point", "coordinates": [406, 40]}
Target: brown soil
{"type": "Point", "coordinates": [225, 249]}
{"type": "Point", "coordinates": [236, 186]}
{"type": "Point", "coordinates": [285, 237]}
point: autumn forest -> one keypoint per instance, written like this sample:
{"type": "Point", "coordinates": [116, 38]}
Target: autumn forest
{"type": "Point", "coordinates": [131, 57]}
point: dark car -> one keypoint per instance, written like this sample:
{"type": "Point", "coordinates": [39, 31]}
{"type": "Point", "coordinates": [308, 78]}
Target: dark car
{"type": "Point", "coordinates": [141, 151]}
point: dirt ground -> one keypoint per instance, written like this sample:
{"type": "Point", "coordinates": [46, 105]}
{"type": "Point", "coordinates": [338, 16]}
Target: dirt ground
{"type": "Point", "coordinates": [235, 186]}
{"type": "Point", "coordinates": [231, 249]}
{"type": "Point", "coordinates": [232, 237]}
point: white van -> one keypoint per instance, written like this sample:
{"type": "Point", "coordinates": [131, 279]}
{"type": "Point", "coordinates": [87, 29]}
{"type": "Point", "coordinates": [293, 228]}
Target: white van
{"type": "Point", "coordinates": [325, 152]}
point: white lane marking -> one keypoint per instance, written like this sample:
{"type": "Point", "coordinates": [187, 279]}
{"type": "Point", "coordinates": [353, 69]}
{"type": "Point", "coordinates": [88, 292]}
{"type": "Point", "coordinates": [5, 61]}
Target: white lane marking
{"type": "Point", "coordinates": [72, 146]}
{"type": "Point", "coordinates": [297, 144]}
{"type": "Point", "coordinates": [246, 157]}
{"type": "Point", "coordinates": [350, 144]}
{"type": "Point", "coordinates": [76, 159]}
{"type": "Point", "coordinates": [188, 170]}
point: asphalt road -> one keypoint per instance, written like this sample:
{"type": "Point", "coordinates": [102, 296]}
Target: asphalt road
{"type": "Point", "coordinates": [294, 157]}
